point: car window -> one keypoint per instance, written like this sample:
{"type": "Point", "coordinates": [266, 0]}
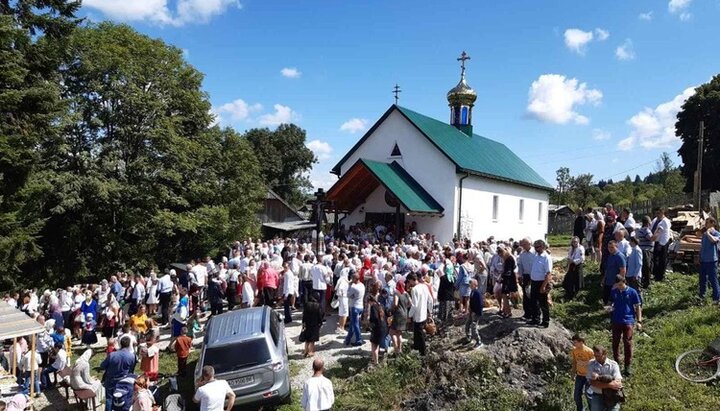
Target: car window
{"type": "Point", "coordinates": [275, 328]}
{"type": "Point", "coordinates": [226, 359]}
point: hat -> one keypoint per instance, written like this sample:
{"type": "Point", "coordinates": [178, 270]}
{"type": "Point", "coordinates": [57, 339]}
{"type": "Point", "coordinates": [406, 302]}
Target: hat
{"type": "Point", "coordinates": [612, 214]}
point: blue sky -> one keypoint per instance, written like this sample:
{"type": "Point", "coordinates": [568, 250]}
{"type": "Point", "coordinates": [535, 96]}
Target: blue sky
{"type": "Point", "coordinates": [590, 85]}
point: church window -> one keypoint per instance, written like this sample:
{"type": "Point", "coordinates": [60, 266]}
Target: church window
{"type": "Point", "coordinates": [496, 206]}
{"type": "Point", "coordinates": [521, 212]}
{"type": "Point", "coordinates": [396, 151]}
{"type": "Point", "coordinates": [464, 115]}
{"type": "Point", "coordinates": [540, 210]}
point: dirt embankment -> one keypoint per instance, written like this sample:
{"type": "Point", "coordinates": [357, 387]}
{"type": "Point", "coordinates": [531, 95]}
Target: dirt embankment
{"type": "Point", "coordinates": [516, 364]}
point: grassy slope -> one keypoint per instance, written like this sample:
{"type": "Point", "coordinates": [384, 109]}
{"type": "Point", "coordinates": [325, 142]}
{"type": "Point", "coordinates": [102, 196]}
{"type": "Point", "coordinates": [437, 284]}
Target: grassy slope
{"type": "Point", "coordinates": [675, 322]}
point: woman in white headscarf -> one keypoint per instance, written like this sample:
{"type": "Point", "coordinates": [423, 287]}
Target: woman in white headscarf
{"type": "Point", "coordinates": [152, 294]}
{"type": "Point", "coordinates": [80, 378]}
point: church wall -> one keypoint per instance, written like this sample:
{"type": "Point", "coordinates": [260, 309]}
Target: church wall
{"type": "Point", "coordinates": [477, 210]}
{"type": "Point", "coordinates": [420, 158]}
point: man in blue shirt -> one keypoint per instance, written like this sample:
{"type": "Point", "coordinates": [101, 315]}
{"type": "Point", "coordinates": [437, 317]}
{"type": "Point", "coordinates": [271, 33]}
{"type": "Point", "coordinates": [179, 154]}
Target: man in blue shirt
{"type": "Point", "coordinates": [614, 265]}
{"type": "Point", "coordinates": [117, 365]}
{"type": "Point", "coordinates": [626, 311]}
{"type": "Point", "coordinates": [708, 260]}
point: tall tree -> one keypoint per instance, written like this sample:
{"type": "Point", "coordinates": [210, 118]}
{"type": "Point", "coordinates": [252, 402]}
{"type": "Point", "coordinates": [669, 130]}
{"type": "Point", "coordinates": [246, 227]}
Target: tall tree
{"type": "Point", "coordinates": [284, 159]}
{"type": "Point", "coordinates": [583, 190]}
{"type": "Point", "coordinates": [32, 35]}
{"type": "Point", "coordinates": [563, 183]}
{"type": "Point", "coordinates": [704, 105]}
{"type": "Point", "coordinates": [137, 177]}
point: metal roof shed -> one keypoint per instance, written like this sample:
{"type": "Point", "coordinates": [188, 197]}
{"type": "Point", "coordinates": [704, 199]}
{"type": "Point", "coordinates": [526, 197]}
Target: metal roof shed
{"type": "Point", "coordinates": [15, 323]}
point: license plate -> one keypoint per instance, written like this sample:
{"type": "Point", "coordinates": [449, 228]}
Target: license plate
{"type": "Point", "coordinates": [242, 381]}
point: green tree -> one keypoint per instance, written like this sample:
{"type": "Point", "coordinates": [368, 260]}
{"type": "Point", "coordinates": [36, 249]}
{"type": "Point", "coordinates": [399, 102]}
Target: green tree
{"type": "Point", "coordinates": [563, 184]}
{"type": "Point", "coordinates": [137, 177]}
{"type": "Point", "coordinates": [704, 105]}
{"type": "Point", "coordinates": [284, 160]}
{"type": "Point", "coordinates": [32, 36]}
{"type": "Point", "coordinates": [583, 191]}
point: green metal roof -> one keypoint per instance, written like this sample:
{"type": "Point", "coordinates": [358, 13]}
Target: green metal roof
{"type": "Point", "coordinates": [408, 191]}
{"type": "Point", "coordinates": [475, 155]}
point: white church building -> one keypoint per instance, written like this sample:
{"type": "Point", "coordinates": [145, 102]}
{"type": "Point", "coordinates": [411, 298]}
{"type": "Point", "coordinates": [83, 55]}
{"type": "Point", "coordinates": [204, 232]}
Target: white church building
{"type": "Point", "coordinates": [410, 168]}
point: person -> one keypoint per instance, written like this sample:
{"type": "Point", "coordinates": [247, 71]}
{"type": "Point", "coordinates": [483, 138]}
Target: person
{"type": "Point", "coordinates": [212, 394]}
{"type": "Point", "coordinates": [289, 291]}
{"type": "Point", "coordinates": [615, 266]}
{"type": "Point", "coordinates": [183, 344]}
{"type": "Point", "coordinates": [626, 313]}
{"type": "Point", "coordinates": [628, 222]}
{"type": "Point", "coordinates": [400, 308]}
{"type": "Point", "coordinates": [138, 321]}
{"type": "Point", "coordinates": [633, 274]}
{"type": "Point", "coordinates": [320, 276]}
{"type": "Point", "coordinates": [89, 336]}
{"type": "Point", "coordinates": [579, 225]}
{"type": "Point", "coordinates": [709, 260]}
{"type": "Point", "coordinates": [580, 356]}
{"type": "Point", "coordinates": [215, 293]}
{"type": "Point", "coordinates": [311, 323]}
{"type": "Point", "coordinates": [27, 367]}
{"type": "Point", "coordinates": [248, 293]}
{"type": "Point", "coordinates": [540, 275]}
{"type": "Point", "coordinates": [524, 265]}
{"type": "Point", "coordinates": [306, 283]}
{"type": "Point", "coordinates": [378, 326]}
{"type": "Point", "coordinates": [318, 394]}
{"type": "Point", "coordinates": [574, 280]}
{"type": "Point", "coordinates": [150, 358]}
{"type": "Point", "coordinates": [644, 238]}
{"type": "Point", "coordinates": [508, 281]}
{"type": "Point", "coordinates": [142, 398]}
{"type": "Point", "coordinates": [117, 365]}
{"type": "Point", "coordinates": [599, 370]}
{"type": "Point", "coordinates": [446, 292]}
{"type": "Point", "coordinates": [110, 317]}
{"type": "Point", "coordinates": [165, 287]}
{"type": "Point", "coordinates": [59, 363]}
{"type": "Point", "coordinates": [466, 271]}
{"type": "Point", "coordinates": [233, 279]}
{"type": "Point", "coordinates": [17, 402]}
{"type": "Point", "coordinates": [267, 283]}
{"type": "Point", "coordinates": [180, 317]}
{"type": "Point", "coordinates": [356, 297]}
{"type": "Point", "coordinates": [151, 300]}
{"type": "Point", "coordinates": [660, 228]}
{"type": "Point", "coordinates": [420, 311]}
{"type": "Point", "coordinates": [80, 378]}
{"type": "Point", "coordinates": [341, 291]}
{"type": "Point", "coordinates": [472, 322]}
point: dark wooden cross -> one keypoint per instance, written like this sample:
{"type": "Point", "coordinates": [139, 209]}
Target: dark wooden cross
{"type": "Point", "coordinates": [396, 92]}
{"type": "Point", "coordinates": [464, 56]}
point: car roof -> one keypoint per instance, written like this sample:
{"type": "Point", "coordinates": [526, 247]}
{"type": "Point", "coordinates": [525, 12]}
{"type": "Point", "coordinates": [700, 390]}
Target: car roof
{"type": "Point", "coordinates": [239, 325]}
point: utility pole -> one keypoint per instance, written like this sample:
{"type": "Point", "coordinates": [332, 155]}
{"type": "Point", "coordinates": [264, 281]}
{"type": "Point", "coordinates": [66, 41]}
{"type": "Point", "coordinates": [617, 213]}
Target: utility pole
{"type": "Point", "coordinates": [698, 170]}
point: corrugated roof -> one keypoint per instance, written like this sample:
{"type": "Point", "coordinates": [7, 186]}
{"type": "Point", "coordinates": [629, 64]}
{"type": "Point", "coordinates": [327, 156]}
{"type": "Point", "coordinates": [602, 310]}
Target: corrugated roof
{"type": "Point", "coordinates": [291, 225]}
{"type": "Point", "coordinates": [15, 323]}
{"type": "Point", "coordinates": [410, 193]}
{"type": "Point", "coordinates": [237, 325]}
{"type": "Point", "coordinates": [476, 155]}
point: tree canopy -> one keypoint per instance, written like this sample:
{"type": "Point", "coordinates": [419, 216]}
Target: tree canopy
{"type": "Point", "coordinates": [704, 105]}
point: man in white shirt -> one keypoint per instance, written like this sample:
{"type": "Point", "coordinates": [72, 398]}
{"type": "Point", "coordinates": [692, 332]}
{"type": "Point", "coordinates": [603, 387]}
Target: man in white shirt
{"type": "Point", "coordinates": [248, 294]}
{"type": "Point", "coordinates": [598, 370]}
{"type": "Point", "coordinates": [540, 275]}
{"type": "Point", "coordinates": [211, 393]}
{"type": "Point", "coordinates": [165, 287]}
{"type": "Point", "coordinates": [58, 364]}
{"type": "Point", "coordinates": [318, 394]}
{"type": "Point", "coordinates": [422, 305]}
{"type": "Point", "coordinates": [321, 276]}
{"type": "Point", "coordinates": [138, 295]}
{"type": "Point", "coordinates": [524, 265]}
{"type": "Point", "coordinates": [660, 228]}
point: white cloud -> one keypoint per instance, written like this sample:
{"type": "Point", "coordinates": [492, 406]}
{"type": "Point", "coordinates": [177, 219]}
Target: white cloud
{"type": "Point", "coordinates": [577, 40]}
{"type": "Point", "coordinates": [602, 34]}
{"type": "Point", "coordinates": [354, 125]}
{"type": "Point", "coordinates": [600, 134]}
{"type": "Point", "coordinates": [238, 110]}
{"type": "Point", "coordinates": [625, 51]}
{"type": "Point", "coordinates": [646, 16]}
{"type": "Point", "coordinates": [655, 127]}
{"type": "Point", "coordinates": [282, 114]}
{"type": "Point", "coordinates": [678, 6]}
{"type": "Point", "coordinates": [322, 149]}
{"type": "Point", "coordinates": [290, 72]}
{"type": "Point", "coordinates": [163, 12]}
{"type": "Point", "coordinates": [553, 98]}
{"type": "Point", "coordinates": [320, 177]}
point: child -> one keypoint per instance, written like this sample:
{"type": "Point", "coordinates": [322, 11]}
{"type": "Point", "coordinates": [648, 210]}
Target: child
{"type": "Point", "coordinates": [110, 346]}
{"type": "Point", "coordinates": [580, 355]}
{"type": "Point", "coordinates": [183, 344]}
{"type": "Point", "coordinates": [89, 335]}
{"type": "Point", "coordinates": [193, 326]}
{"type": "Point", "coordinates": [150, 358]}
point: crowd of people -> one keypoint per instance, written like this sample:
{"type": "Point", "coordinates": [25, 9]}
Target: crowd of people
{"type": "Point", "coordinates": [378, 285]}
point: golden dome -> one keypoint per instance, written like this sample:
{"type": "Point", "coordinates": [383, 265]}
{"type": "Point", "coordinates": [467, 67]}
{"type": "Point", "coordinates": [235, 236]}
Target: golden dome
{"type": "Point", "coordinates": [462, 93]}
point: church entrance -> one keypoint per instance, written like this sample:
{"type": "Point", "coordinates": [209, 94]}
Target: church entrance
{"type": "Point", "coordinates": [384, 219]}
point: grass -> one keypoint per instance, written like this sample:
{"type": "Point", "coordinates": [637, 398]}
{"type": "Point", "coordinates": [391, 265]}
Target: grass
{"type": "Point", "coordinates": [559, 240]}
{"type": "Point", "coordinates": [675, 320]}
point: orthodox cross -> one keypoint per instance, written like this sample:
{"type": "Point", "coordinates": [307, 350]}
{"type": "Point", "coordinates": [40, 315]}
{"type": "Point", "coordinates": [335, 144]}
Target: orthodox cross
{"type": "Point", "coordinates": [396, 92]}
{"type": "Point", "coordinates": [464, 56]}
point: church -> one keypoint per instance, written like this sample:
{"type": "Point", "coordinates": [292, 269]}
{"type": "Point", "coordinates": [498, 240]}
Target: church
{"type": "Point", "coordinates": [410, 169]}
